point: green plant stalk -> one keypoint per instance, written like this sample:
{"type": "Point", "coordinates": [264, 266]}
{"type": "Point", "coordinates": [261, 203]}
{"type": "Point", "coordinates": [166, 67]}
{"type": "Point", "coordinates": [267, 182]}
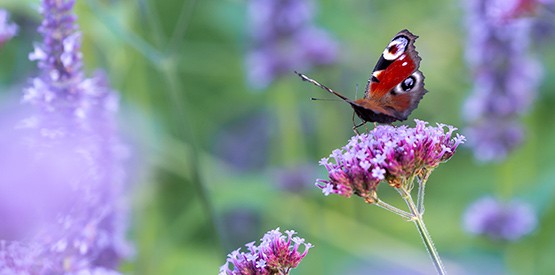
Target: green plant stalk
{"type": "Point", "coordinates": [427, 239]}
{"type": "Point", "coordinates": [420, 198]}
{"type": "Point", "coordinates": [424, 234]}
{"type": "Point", "coordinates": [391, 208]}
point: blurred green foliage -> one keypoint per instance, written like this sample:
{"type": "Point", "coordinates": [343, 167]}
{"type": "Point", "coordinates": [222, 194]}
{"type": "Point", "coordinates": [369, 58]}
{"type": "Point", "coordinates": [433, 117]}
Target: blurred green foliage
{"type": "Point", "coordinates": [179, 66]}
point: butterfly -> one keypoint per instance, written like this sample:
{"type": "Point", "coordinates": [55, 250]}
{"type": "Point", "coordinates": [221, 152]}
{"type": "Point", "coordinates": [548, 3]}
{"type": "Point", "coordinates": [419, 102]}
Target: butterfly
{"type": "Point", "coordinates": [395, 87]}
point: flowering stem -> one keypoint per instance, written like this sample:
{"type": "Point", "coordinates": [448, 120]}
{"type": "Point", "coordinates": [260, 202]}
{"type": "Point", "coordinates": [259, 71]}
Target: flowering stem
{"type": "Point", "coordinates": [426, 238]}
{"type": "Point", "coordinates": [393, 209]}
{"type": "Point", "coordinates": [420, 198]}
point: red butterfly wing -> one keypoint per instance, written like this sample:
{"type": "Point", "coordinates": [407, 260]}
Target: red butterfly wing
{"type": "Point", "coordinates": [396, 86]}
{"type": "Point", "coordinates": [397, 62]}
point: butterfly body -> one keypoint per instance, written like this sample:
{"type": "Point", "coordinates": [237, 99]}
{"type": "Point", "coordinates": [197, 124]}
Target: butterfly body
{"type": "Point", "coordinates": [371, 111]}
{"type": "Point", "coordinates": [395, 87]}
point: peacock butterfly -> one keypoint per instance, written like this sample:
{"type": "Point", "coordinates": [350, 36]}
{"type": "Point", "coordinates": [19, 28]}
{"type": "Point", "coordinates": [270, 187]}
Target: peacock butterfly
{"type": "Point", "coordinates": [395, 86]}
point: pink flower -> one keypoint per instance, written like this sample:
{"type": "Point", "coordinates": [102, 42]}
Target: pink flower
{"type": "Point", "coordinates": [276, 254]}
{"type": "Point", "coordinates": [387, 152]}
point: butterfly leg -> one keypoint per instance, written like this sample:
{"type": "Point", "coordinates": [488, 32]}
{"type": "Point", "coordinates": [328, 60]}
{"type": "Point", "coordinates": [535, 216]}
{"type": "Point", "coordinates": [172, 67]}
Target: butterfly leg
{"type": "Point", "coordinates": [356, 126]}
{"type": "Point", "coordinates": [354, 123]}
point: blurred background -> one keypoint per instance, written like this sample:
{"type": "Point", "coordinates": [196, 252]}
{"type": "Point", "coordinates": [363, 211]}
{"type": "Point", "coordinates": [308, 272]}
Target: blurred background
{"type": "Point", "coordinates": [228, 140]}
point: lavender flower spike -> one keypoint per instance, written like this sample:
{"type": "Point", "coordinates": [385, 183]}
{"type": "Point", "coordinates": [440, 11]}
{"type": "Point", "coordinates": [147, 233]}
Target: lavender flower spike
{"type": "Point", "coordinates": [276, 254]}
{"type": "Point", "coordinates": [506, 77]}
{"type": "Point", "coordinates": [59, 60]}
{"type": "Point", "coordinates": [394, 154]}
{"type": "Point", "coordinates": [499, 221]}
{"type": "Point", "coordinates": [7, 30]}
{"type": "Point", "coordinates": [63, 178]}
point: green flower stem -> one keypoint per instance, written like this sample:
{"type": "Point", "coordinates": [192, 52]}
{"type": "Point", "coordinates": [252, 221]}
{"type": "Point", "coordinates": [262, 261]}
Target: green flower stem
{"type": "Point", "coordinates": [422, 179]}
{"type": "Point", "coordinates": [393, 209]}
{"type": "Point", "coordinates": [420, 198]}
{"type": "Point", "coordinates": [426, 238]}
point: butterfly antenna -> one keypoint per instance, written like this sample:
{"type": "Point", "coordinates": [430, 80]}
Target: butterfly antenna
{"type": "Point", "coordinates": [306, 78]}
{"type": "Point", "coordinates": [324, 99]}
{"type": "Point", "coordinates": [356, 90]}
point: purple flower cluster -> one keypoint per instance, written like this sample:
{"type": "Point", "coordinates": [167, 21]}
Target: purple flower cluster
{"type": "Point", "coordinates": [498, 220]}
{"type": "Point", "coordinates": [283, 39]}
{"type": "Point", "coordinates": [394, 154]}
{"type": "Point", "coordinates": [7, 30]}
{"type": "Point", "coordinates": [276, 254]}
{"type": "Point", "coordinates": [61, 191]}
{"type": "Point", "coordinates": [506, 78]}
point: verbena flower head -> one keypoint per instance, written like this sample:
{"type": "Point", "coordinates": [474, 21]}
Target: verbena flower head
{"type": "Point", "coordinates": [284, 38]}
{"type": "Point", "coordinates": [7, 30]}
{"type": "Point", "coordinates": [394, 154]}
{"type": "Point", "coordinates": [276, 254]}
{"type": "Point", "coordinates": [499, 220]}
{"type": "Point", "coordinates": [61, 202]}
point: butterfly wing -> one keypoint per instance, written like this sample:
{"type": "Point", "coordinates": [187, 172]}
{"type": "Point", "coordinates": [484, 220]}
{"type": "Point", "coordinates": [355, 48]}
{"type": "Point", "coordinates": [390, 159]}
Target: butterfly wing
{"type": "Point", "coordinates": [403, 98]}
{"type": "Point", "coordinates": [395, 86]}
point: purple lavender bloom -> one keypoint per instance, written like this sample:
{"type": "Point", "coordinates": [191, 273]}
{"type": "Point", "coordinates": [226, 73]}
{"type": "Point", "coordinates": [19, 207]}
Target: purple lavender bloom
{"type": "Point", "coordinates": [498, 220]}
{"type": "Point", "coordinates": [61, 190]}
{"type": "Point", "coordinates": [394, 154]}
{"type": "Point", "coordinates": [506, 78]}
{"type": "Point", "coordinates": [276, 254]}
{"type": "Point", "coordinates": [284, 39]}
{"type": "Point", "coordinates": [7, 30]}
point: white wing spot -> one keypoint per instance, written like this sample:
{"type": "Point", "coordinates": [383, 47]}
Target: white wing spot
{"type": "Point", "coordinates": [405, 64]}
{"type": "Point", "coordinates": [395, 48]}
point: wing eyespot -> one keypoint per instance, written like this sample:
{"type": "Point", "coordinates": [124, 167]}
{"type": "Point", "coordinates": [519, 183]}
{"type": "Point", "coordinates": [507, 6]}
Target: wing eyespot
{"type": "Point", "coordinates": [408, 84]}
